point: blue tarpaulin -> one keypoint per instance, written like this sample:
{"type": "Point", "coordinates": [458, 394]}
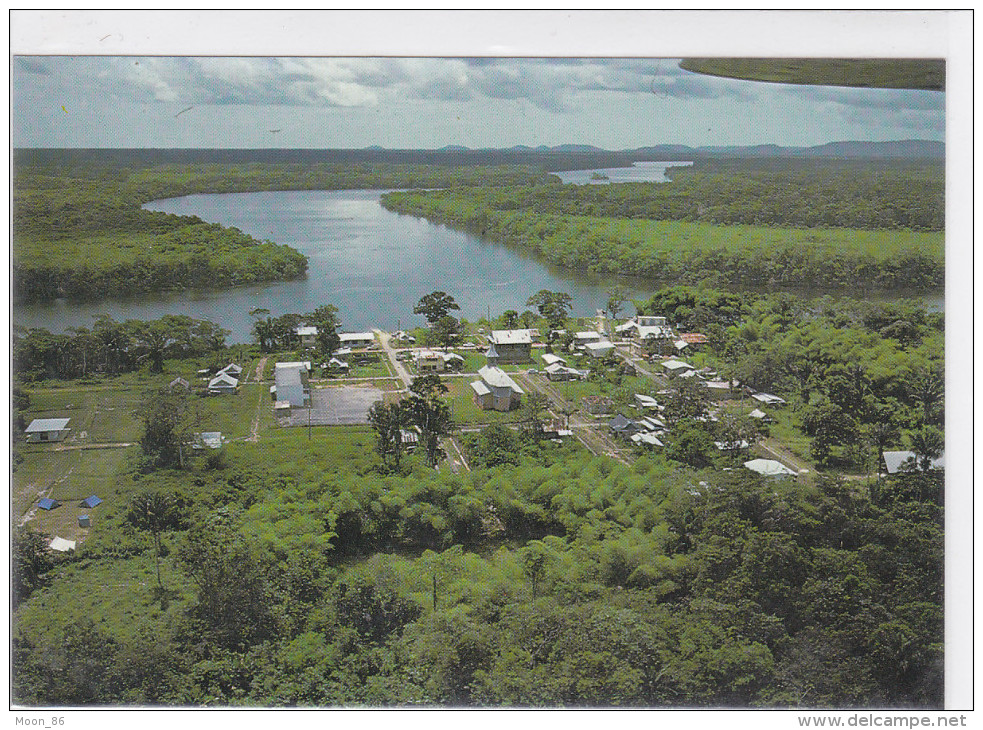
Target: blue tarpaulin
{"type": "Point", "coordinates": [47, 503]}
{"type": "Point", "coordinates": [91, 501]}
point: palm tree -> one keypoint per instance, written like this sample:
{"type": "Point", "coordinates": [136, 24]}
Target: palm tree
{"type": "Point", "coordinates": [152, 511]}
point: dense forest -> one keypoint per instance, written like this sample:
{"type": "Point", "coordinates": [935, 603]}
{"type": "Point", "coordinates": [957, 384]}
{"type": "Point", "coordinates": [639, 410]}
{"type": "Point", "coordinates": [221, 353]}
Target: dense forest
{"type": "Point", "coordinates": [303, 570]}
{"type": "Point", "coordinates": [79, 230]}
{"type": "Point", "coordinates": [746, 223]}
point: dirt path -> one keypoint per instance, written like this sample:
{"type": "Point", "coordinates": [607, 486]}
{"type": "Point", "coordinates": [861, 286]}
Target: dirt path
{"type": "Point", "coordinates": [781, 453]}
{"type": "Point", "coordinates": [397, 366]}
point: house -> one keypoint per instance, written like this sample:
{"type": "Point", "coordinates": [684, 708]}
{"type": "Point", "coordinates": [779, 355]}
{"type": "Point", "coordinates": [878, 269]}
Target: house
{"type": "Point", "coordinates": [675, 368]}
{"type": "Point", "coordinates": [231, 369]}
{"type": "Point", "coordinates": [409, 438]}
{"type": "Point", "coordinates": [507, 346]}
{"type": "Point", "coordinates": [223, 383]}
{"type": "Point", "coordinates": [48, 504]}
{"type": "Point", "coordinates": [292, 386]}
{"type": "Point", "coordinates": [556, 430]}
{"type": "Point", "coordinates": [559, 372]}
{"type": "Point", "coordinates": [46, 430]}
{"type": "Point", "coordinates": [768, 399]}
{"type": "Point", "coordinates": [496, 391]}
{"type": "Point", "coordinates": [731, 445]}
{"type": "Point", "coordinates": [900, 461]}
{"type": "Point", "coordinates": [647, 402]}
{"type": "Point", "coordinates": [84, 521]}
{"type": "Point", "coordinates": [403, 336]}
{"type": "Point", "coordinates": [431, 361]}
{"type": "Point", "coordinates": [760, 415]}
{"type": "Point", "coordinates": [720, 389]}
{"type": "Point", "coordinates": [338, 366]}
{"type": "Point", "coordinates": [770, 469]}
{"type": "Point", "coordinates": [646, 438]}
{"type": "Point", "coordinates": [693, 339]}
{"type": "Point", "coordinates": [550, 359]}
{"type": "Point", "coordinates": [307, 334]}
{"type": "Point", "coordinates": [601, 348]}
{"type": "Point", "coordinates": [208, 440]}
{"type": "Point", "coordinates": [623, 426]}
{"type": "Point", "coordinates": [357, 339]}
{"type": "Point", "coordinates": [179, 383]}
{"type": "Point", "coordinates": [581, 339]}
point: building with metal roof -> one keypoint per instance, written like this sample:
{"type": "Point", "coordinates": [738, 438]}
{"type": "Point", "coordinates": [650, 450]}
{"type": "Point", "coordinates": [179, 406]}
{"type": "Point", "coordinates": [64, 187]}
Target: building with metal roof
{"type": "Point", "coordinates": [45, 430]}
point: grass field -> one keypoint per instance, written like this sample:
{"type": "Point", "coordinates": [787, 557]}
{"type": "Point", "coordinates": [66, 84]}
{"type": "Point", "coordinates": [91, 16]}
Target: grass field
{"type": "Point", "coordinates": [676, 236]}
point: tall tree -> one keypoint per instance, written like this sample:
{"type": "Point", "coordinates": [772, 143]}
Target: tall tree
{"type": "Point", "coordinates": [325, 318]}
{"type": "Point", "coordinates": [426, 409]}
{"type": "Point", "coordinates": [435, 305]}
{"type": "Point", "coordinates": [553, 306]}
{"type": "Point", "coordinates": [166, 431]}
{"type": "Point", "coordinates": [153, 512]}
{"type": "Point", "coordinates": [388, 420]}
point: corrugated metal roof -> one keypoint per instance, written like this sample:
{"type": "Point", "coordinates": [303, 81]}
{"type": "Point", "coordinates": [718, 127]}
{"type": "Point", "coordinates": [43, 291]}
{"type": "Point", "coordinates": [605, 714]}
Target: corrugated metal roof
{"type": "Point", "coordinates": [497, 378]}
{"type": "Point", "coordinates": [40, 425]}
{"type": "Point", "coordinates": [480, 388]}
{"type": "Point", "coordinates": [511, 337]}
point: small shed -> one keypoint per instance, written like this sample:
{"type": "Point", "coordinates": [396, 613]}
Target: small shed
{"type": "Point", "coordinates": [46, 430]}
{"type": "Point", "coordinates": [48, 504]}
{"type": "Point", "coordinates": [91, 501]}
{"type": "Point", "coordinates": [84, 521]}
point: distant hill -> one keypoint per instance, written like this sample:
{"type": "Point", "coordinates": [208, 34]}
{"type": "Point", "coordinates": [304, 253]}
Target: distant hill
{"type": "Point", "coordinates": [561, 157]}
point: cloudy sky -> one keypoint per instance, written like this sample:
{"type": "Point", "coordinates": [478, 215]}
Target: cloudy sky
{"type": "Point", "coordinates": [130, 101]}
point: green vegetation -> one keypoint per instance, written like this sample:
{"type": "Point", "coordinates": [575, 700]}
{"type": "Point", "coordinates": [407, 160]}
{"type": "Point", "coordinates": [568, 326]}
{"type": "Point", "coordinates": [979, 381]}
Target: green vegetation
{"type": "Point", "coordinates": [79, 230]}
{"type": "Point", "coordinates": [763, 224]}
{"type": "Point", "coordinates": [321, 567]}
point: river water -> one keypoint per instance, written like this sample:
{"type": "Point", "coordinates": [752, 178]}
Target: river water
{"type": "Point", "coordinates": [370, 263]}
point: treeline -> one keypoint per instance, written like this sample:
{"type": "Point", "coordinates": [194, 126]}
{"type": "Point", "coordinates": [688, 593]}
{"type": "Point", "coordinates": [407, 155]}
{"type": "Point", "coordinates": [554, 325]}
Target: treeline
{"type": "Point", "coordinates": [873, 195]}
{"type": "Point", "coordinates": [112, 347]}
{"type": "Point", "coordinates": [682, 251]}
{"type": "Point", "coordinates": [80, 233]}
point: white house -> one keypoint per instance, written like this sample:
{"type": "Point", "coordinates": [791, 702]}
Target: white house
{"type": "Point", "coordinates": [601, 348]}
{"type": "Point", "coordinates": [307, 335]}
{"type": "Point", "coordinates": [292, 386]}
{"type": "Point", "coordinates": [432, 361]}
{"type": "Point", "coordinates": [496, 391]}
{"type": "Point", "coordinates": [897, 461]}
{"type": "Point", "coordinates": [46, 430]}
{"type": "Point", "coordinates": [357, 339]}
{"type": "Point", "coordinates": [677, 367]}
{"type": "Point", "coordinates": [770, 468]}
{"type": "Point", "coordinates": [223, 382]}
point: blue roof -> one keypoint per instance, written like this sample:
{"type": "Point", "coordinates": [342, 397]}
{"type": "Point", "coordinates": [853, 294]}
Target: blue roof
{"type": "Point", "coordinates": [91, 501]}
{"type": "Point", "coordinates": [47, 503]}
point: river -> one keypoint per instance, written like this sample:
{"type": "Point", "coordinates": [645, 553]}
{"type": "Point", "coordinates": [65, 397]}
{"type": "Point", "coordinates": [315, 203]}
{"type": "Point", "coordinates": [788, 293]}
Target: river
{"type": "Point", "coordinates": [370, 263]}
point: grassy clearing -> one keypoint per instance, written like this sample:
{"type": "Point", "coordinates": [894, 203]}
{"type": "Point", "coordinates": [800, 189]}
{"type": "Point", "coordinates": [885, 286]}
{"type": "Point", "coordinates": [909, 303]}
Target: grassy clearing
{"type": "Point", "coordinates": [69, 477]}
{"type": "Point", "coordinates": [676, 236]}
{"type": "Point", "coordinates": [118, 593]}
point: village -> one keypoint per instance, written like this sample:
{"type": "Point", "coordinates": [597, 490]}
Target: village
{"type": "Point", "coordinates": [618, 387]}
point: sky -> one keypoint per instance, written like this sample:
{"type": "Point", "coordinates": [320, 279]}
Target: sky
{"type": "Point", "coordinates": [428, 103]}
